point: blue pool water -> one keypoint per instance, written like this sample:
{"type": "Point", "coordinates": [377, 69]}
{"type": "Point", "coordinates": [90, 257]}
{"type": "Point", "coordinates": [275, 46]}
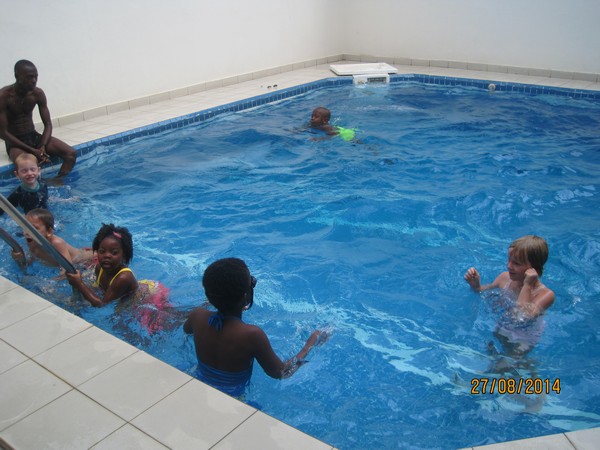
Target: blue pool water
{"type": "Point", "coordinates": [371, 240]}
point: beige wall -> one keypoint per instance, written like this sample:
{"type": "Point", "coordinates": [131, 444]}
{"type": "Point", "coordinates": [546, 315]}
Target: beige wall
{"type": "Point", "coordinates": [92, 53]}
{"type": "Point", "coordinates": [101, 52]}
{"type": "Point", "coordinates": [561, 35]}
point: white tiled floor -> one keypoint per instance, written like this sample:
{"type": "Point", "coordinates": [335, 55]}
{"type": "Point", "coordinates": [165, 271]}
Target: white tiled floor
{"type": "Point", "coordinates": [66, 384]}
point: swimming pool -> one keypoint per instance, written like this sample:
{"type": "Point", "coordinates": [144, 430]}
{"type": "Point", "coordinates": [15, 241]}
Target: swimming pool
{"type": "Point", "coordinates": [372, 240]}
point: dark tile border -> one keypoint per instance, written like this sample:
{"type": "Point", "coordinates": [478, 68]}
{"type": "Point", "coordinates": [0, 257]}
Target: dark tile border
{"type": "Point", "coordinates": [500, 86]}
{"type": "Point", "coordinates": [273, 96]}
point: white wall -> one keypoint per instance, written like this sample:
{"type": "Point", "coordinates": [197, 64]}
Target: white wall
{"type": "Point", "coordinates": [561, 35]}
{"type": "Point", "coordinates": [92, 53]}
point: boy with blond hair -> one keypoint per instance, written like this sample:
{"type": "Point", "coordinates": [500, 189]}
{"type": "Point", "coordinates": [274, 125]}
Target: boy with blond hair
{"type": "Point", "coordinates": [32, 192]}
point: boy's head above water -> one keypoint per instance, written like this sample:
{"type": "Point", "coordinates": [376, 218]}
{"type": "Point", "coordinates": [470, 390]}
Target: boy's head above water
{"type": "Point", "coordinates": [43, 216]}
{"type": "Point", "coordinates": [42, 220]}
{"type": "Point", "coordinates": [27, 169]}
{"type": "Point", "coordinates": [320, 116]}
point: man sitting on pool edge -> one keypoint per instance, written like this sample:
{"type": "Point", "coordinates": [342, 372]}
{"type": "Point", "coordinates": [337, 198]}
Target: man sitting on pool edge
{"type": "Point", "coordinates": [17, 102]}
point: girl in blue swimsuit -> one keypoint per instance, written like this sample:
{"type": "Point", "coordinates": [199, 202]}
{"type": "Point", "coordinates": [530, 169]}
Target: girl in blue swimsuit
{"type": "Point", "coordinates": [226, 347]}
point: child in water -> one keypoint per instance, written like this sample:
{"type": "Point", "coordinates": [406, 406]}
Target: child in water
{"type": "Point", "coordinates": [319, 120]}
{"type": "Point", "coordinates": [115, 280]}
{"type": "Point", "coordinates": [114, 249]}
{"type": "Point", "coordinates": [529, 298]}
{"type": "Point", "coordinates": [43, 221]}
{"type": "Point", "coordinates": [32, 192]}
{"type": "Point", "coordinates": [226, 347]}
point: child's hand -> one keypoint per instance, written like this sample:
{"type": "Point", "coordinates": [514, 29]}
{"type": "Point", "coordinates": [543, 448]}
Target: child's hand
{"type": "Point", "coordinates": [321, 336]}
{"type": "Point", "coordinates": [531, 277]}
{"type": "Point", "coordinates": [19, 257]}
{"type": "Point", "coordinates": [61, 275]}
{"type": "Point", "coordinates": [472, 277]}
{"type": "Point", "coordinates": [41, 155]}
{"type": "Point", "coordinates": [74, 279]}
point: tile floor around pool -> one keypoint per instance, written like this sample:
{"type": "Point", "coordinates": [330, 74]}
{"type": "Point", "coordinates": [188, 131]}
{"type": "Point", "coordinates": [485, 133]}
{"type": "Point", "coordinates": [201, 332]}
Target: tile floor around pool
{"type": "Point", "coordinates": [67, 384]}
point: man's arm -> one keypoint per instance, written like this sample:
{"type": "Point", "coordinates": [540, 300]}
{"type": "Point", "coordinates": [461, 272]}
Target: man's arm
{"type": "Point", "coordinates": [42, 103]}
{"type": "Point", "coordinates": [4, 133]}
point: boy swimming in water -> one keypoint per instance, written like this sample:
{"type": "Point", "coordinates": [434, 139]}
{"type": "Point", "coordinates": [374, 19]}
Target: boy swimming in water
{"type": "Point", "coordinates": [319, 120]}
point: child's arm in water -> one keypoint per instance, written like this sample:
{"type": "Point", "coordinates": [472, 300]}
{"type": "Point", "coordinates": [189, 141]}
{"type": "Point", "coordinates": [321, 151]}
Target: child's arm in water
{"type": "Point", "coordinates": [125, 284]}
{"type": "Point", "coordinates": [329, 132]}
{"type": "Point", "coordinates": [270, 362]}
{"type": "Point", "coordinates": [534, 301]}
{"type": "Point", "coordinates": [473, 278]}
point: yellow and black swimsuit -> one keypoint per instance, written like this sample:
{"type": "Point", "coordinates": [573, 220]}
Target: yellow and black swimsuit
{"type": "Point", "coordinates": [124, 269]}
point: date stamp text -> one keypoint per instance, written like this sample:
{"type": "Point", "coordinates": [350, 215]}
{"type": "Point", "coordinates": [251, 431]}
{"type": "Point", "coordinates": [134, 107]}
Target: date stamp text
{"type": "Point", "coordinates": [484, 385]}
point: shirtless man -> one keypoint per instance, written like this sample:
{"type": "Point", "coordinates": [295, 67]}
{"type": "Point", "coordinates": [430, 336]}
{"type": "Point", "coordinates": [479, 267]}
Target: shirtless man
{"type": "Point", "coordinates": [17, 103]}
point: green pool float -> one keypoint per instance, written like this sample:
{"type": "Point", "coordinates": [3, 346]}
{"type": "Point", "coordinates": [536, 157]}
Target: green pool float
{"type": "Point", "coordinates": [346, 134]}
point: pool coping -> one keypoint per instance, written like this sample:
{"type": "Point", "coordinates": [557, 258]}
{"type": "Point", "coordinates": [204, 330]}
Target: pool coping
{"type": "Point", "coordinates": [31, 310]}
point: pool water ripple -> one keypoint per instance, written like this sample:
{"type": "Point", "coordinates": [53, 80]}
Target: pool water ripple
{"type": "Point", "coordinates": [370, 239]}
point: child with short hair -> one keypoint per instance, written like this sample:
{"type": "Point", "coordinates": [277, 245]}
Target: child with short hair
{"type": "Point", "coordinates": [32, 192]}
{"type": "Point", "coordinates": [319, 120]}
{"type": "Point", "coordinates": [523, 324]}
{"type": "Point", "coordinates": [43, 221]}
{"type": "Point", "coordinates": [226, 347]}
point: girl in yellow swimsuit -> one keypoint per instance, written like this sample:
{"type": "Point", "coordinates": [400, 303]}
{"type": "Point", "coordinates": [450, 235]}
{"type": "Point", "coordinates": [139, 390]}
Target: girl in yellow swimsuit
{"type": "Point", "coordinates": [113, 247]}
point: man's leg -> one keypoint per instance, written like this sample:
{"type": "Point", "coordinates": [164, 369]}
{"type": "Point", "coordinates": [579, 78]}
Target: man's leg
{"type": "Point", "coordinates": [14, 152]}
{"type": "Point", "coordinates": [56, 147]}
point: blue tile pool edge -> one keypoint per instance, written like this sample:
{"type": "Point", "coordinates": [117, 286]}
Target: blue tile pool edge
{"type": "Point", "coordinates": [273, 96]}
